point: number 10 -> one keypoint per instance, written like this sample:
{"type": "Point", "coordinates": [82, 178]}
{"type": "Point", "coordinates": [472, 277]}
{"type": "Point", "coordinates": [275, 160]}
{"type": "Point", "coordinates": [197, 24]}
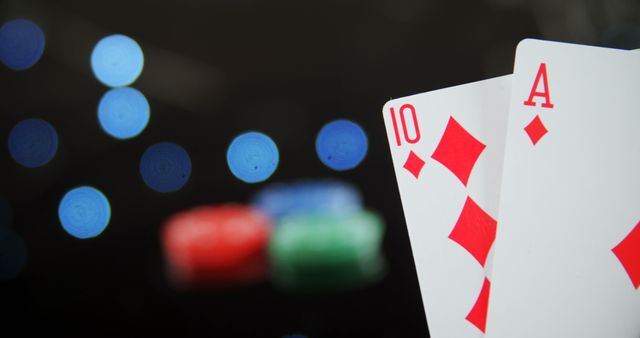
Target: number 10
{"type": "Point", "coordinates": [416, 128]}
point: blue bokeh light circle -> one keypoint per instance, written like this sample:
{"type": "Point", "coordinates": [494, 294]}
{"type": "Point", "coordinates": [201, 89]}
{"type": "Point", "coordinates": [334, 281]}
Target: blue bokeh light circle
{"type": "Point", "coordinates": [165, 167]}
{"type": "Point", "coordinates": [13, 254]}
{"type": "Point", "coordinates": [33, 142]}
{"type": "Point", "coordinates": [6, 213]}
{"type": "Point", "coordinates": [123, 112]}
{"type": "Point", "coordinates": [84, 212]}
{"type": "Point", "coordinates": [117, 60]}
{"type": "Point", "coordinates": [21, 44]}
{"type": "Point", "coordinates": [252, 157]}
{"type": "Point", "coordinates": [341, 145]}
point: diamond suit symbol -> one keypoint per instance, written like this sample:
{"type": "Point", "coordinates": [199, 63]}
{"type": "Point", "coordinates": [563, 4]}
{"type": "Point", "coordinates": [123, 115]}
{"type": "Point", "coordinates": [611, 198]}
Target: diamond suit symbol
{"type": "Point", "coordinates": [478, 314]}
{"type": "Point", "coordinates": [414, 164]}
{"type": "Point", "coordinates": [475, 231]}
{"type": "Point", "coordinates": [535, 129]}
{"type": "Point", "coordinates": [628, 253]}
{"type": "Point", "coordinates": [458, 150]}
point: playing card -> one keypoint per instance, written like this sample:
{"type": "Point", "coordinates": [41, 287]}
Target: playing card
{"type": "Point", "coordinates": [567, 260]}
{"type": "Point", "coordinates": [447, 148]}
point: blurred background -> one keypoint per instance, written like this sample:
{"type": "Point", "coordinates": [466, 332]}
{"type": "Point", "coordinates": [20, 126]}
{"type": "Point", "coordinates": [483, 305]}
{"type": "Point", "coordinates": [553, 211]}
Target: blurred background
{"type": "Point", "coordinates": [212, 71]}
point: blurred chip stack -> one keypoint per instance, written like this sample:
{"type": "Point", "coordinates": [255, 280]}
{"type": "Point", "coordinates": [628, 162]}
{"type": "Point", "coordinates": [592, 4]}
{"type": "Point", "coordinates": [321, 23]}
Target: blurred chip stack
{"type": "Point", "coordinates": [217, 245]}
{"type": "Point", "coordinates": [322, 236]}
{"type": "Point", "coordinates": [322, 197]}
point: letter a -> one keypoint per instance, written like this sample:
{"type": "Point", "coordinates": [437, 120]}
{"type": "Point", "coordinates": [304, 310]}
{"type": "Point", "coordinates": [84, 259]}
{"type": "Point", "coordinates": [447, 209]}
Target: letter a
{"type": "Point", "coordinates": [542, 74]}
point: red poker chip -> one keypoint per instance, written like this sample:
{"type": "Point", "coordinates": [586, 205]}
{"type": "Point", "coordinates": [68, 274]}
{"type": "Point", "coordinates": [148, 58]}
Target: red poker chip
{"type": "Point", "coordinates": [252, 270]}
{"type": "Point", "coordinates": [214, 240]}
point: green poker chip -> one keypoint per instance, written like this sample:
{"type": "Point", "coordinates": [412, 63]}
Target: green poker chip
{"type": "Point", "coordinates": [318, 241]}
{"type": "Point", "coordinates": [345, 276]}
{"type": "Point", "coordinates": [311, 252]}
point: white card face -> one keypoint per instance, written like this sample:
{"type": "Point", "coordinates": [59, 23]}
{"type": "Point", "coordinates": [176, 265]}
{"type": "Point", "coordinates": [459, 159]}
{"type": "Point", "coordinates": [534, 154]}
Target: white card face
{"type": "Point", "coordinates": [447, 149]}
{"type": "Point", "coordinates": [567, 258]}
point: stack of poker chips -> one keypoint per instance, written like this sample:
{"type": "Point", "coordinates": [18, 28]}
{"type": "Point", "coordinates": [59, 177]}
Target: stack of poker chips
{"type": "Point", "coordinates": [216, 245]}
{"type": "Point", "coordinates": [312, 234]}
{"type": "Point", "coordinates": [322, 236]}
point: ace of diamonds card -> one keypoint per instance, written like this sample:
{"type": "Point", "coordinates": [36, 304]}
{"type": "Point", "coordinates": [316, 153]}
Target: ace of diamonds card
{"type": "Point", "coordinates": [567, 260]}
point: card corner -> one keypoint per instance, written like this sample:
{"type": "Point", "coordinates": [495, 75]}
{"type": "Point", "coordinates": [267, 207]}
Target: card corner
{"type": "Point", "coordinates": [525, 43]}
{"type": "Point", "coordinates": [387, 104]}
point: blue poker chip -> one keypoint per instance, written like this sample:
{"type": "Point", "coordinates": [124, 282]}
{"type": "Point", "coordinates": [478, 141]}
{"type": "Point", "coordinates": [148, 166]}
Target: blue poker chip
{"type": "Point", "coordinates": [21, 44]}
{"type": "Point", "coordinates": [165, 167]}
{"type": "Point", "coordinates": [117, 60]}
{"type": "Point", "coordinates": [123, 112]}
{"type": "Point", "coordinates": [84, 212]}
{"type": "Point", "coordinates": [252, 157]}
{"type": "Point", "coordinates": [308, 197]}
{"type": "Point", "coordinates": [341, 145]}
{"type": "Point", "coordinates": [33, 142]}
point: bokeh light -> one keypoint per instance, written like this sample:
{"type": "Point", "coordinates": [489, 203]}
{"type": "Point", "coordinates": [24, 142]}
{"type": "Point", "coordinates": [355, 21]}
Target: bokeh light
{"type": "Point", "coordinates": [33, 142]}
{"type": "Point", "coordinates": [328, 196]}
{"type": "Point", "coordinates": [165, 167]}
{"type": "Point", "coordinates": [252, 157]}
{"type": "Point", "coordinates": [341, 145]}
{"type": "Point", "coordinates": [21, 44]}
{"type": "Point", "coordinates": [6, 213]}
{"type": "Point", "coordinates": [123, 112]}
{"type": "Point", "coordinates": [13, 253]}
{"type": "Point", "coordinates": [117, 60]}
{"type": "Point", "coordinates": [84, 212]}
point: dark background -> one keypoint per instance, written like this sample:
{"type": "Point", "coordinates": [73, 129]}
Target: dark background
{"type": "Point", "coordinates": [214, 69]}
